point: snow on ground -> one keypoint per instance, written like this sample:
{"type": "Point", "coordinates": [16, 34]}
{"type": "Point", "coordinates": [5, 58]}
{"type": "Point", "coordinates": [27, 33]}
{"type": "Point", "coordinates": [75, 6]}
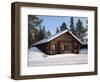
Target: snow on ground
{"type": "Point", "coordinates": [35, 54]}
{"type": "Point", "coordinates": [83, 51]}
{"type": "Point", "coordinates": [38, 58]}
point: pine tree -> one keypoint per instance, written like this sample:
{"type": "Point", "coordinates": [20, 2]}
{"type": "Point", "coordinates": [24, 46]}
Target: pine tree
{"type": "Point", "coordinates": [33, 23]}
{"type": "Point", "coordinates": [86, 38]}
{"type": "Point", "coordinates": [72, 29]}
{"type": "Point", "coordinates": [57, 30]}
{"type": "Point", "coordinates": [40, 35]}
{"type": "Point", "coordinates": [63, 26]}
{"type": "Point", "coordinates": [44, 32]}
{"type": "Point", "coordinates": [80, 30]}
{"type": "Point", "coordinates": [36, 34]}
{"type": "Point", "coordinates": [48, 34]}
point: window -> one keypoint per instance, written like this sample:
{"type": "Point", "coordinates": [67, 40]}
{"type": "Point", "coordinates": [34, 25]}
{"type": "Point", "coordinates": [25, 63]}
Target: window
{"type": "Point", "coordinates": [62, 47]}
{"type": "Point", "coordinates": [53, 47]}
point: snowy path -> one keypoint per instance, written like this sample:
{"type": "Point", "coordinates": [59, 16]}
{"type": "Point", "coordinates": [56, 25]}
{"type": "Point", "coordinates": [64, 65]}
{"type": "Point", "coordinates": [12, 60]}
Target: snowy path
{"type": "Point", "coordinates": [38, 58]}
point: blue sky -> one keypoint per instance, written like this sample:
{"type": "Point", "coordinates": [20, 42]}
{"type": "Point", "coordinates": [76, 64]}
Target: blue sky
{"type": "Point", "coordinates": [52, 22]}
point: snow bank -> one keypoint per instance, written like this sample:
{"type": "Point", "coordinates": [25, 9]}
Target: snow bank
{"type": "Point", "coordinates": [83, 51]}
{"type": "Point", "coordinates": [61, 60]}
{"type": "Point", "coordinates": [35, 54]}
{"type": "Point", "coordinates": [37, 58]}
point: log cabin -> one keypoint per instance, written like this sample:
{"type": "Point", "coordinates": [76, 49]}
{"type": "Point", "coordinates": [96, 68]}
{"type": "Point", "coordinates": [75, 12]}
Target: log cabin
{"type": "Point", "coordinates": [63, 42]}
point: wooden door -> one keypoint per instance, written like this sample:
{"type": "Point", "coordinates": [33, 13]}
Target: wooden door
{"type": "Point", "coordinates": [58, 47]}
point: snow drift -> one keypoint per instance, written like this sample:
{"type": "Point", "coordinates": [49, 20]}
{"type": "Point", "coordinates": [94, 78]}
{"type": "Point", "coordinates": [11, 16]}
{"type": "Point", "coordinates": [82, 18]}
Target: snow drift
{"type": "Point", "coordinates": [35, 54]}
{"type": "Point", "coordinates": [38, 58]}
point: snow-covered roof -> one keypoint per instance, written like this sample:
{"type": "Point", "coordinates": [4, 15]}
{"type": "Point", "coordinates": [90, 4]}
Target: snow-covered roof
{"type": "Point", "coordinates": [75, 37]}
{"type": "Point", "coordinates": [54, 36]}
